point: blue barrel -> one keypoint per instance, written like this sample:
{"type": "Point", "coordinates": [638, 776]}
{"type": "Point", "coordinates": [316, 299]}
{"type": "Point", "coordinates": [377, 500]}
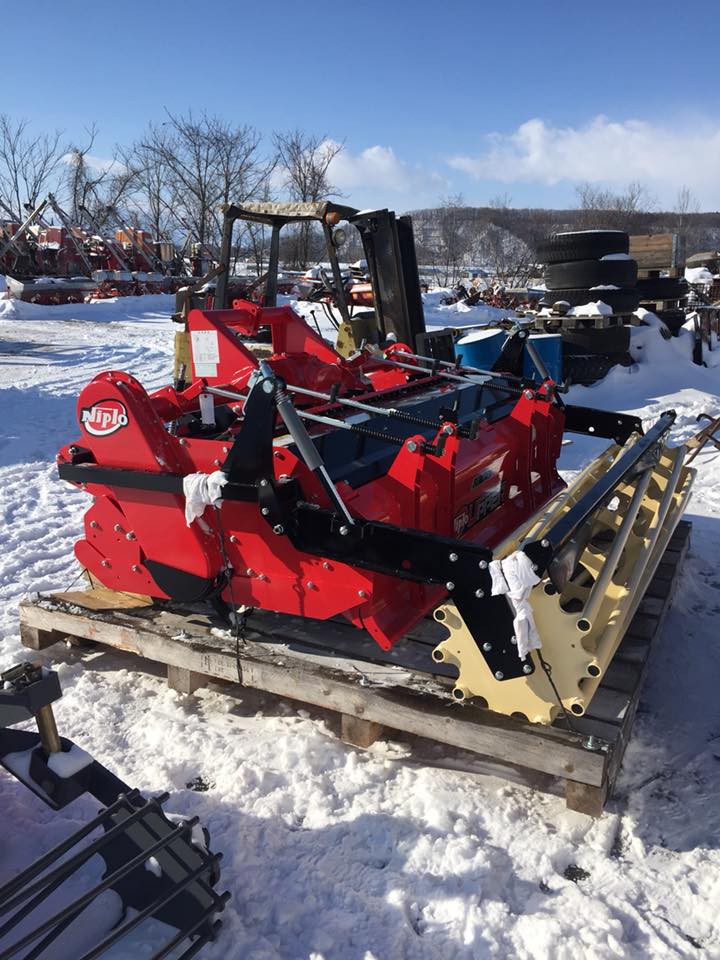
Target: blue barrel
{"type": "Point", "coordinates": [549, 346]}
{"type": "Point", "coordinates": [480, 348]}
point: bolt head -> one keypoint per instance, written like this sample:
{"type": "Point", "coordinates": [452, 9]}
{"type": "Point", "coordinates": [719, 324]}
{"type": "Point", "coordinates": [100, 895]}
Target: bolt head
{"type": "Point", "coordinates": [216, 463]}
{"type": "Point", "coordinates": [411, 445]}
{"type": "Point", "coordinates": [117, 528]}
{"type": "Point", "coordinates": [449, 585]}
{"type": "Point", "coordinates": [527, 668]}
{"type": "Point", "coordinates": [499, 675]}
{"type": "Point", "coordinates": [182, 441]}
{"type": "Point", "coordinates": [479, 594]}
{"type": "Point", "coordinates": [545, 544]}
{"type": "Point", "coordinates": [513, 640]}
{"type": "Point", "coordinates": [278, 528]}
{"type": "Point", "coordinates": [94, 523]}
{"type": "Point", "coordinates": [453, 557]}
{"type": "Point", "coordinates": [344, 531]}
{"type": "Point", "coordinates": [263, 483]}
{"type": "Point", "coordinates": [487, 647]}
{"type": "Point", "coordinates": [265, 511]}
{"type": "Point", "coordinates": [326, 565]}
{"type": "Point", "coordinates": [483, 564]}
{"type": "Point", "coordinates": [268, 386]}
{"type": "Point", "coordinates": [105, 563]}
{"type": "Point", "coordinates": [362, 593]}
{"type": "Point", "coordinates": [130, 535]}
{"type": "Point", "coordinates": [310, 585]}
{"type": "Point", "coordinates": [135, 568]}
{"type": "Point", "coordinates": [528, 394]}
{"type": "Point", "coordinates": [447, 430]}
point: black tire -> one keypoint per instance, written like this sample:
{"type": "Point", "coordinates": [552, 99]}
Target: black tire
{"type": "Point", "coordinates": [662, 288]}
{"type": "Point", "coordinates": [621, 301]}
{"type": "Point", "coordinates": [598, 340]}
{"type": "Point", "coordinates": [590, 273]}
{"type": "Point", "coordinates": [673, 319]}
{"type": "Point", "coordinates": [588, 369]}
{"type": "Point", "coordinates": [585, 245]}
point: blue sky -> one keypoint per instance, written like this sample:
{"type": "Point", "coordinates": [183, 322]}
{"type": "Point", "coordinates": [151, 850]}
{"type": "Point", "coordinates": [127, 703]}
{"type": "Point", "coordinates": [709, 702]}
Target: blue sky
{"type": "Point", "coordinates": [428, 98]}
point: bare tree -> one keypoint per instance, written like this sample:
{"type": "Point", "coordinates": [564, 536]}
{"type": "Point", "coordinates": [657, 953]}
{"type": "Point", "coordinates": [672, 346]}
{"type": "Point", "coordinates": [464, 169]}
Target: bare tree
{"type": "Point", "coordinates": [95, 189]}
{"type": "Point", "coordinates": [196, 164]}
{"type": "Point", "coordinates": [453, 240]}
{"type": "Point", "coordinates": [601, 208]}
{"type": "Point", "coordinates": [305, 162]}
{"type": "Point", "coordinates": [28, 164]}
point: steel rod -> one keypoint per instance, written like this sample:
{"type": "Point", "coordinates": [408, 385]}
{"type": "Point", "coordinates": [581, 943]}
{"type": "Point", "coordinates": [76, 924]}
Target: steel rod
{"type": "Point", "coordinates": [73, 863]}
{"type": "Point", "coordinates": [162, 901]}
{"type": "Point", "coordinates": [39, 865]}
{"type": "Point", "coordinates": [366, 407]}
{"type": "Point", "coordinates": [99, 888]}
{"type": "Point", "coordinates": [188, 931]}
{"type": "Point", "coordinates": [599, 588]}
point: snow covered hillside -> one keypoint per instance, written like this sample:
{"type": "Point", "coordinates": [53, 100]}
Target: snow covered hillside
{"type": "Point", "coordinates": [336, 854]}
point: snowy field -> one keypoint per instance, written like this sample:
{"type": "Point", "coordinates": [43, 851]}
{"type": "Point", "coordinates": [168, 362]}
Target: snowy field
{"type": "Point", "coordinates": [330, 852]}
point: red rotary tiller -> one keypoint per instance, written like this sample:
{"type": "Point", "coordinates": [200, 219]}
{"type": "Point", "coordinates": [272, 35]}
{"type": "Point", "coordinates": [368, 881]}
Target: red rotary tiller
{"type": "Point", "coordinates": [383, 488]}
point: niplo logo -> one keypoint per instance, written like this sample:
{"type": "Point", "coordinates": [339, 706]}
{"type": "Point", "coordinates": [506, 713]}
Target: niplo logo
{"type": "Point", "coordinates": [104, 418]}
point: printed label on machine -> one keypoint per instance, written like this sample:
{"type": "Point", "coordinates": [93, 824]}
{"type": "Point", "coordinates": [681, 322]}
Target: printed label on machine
{"type": "Point", "coordinates": [205, 352]}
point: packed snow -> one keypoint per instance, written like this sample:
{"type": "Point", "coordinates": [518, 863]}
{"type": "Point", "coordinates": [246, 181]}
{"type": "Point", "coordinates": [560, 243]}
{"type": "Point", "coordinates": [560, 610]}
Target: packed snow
{"type": "Point", "coordinates": [332, 853]}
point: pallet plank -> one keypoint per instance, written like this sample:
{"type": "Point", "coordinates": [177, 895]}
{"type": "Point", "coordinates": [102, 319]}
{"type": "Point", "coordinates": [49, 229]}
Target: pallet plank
{"type": "Point", "coordinates": [324, 665]}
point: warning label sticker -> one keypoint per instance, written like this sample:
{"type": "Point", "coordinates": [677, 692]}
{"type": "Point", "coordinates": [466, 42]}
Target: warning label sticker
{"type": "Point", "coordinates": [205, 352]}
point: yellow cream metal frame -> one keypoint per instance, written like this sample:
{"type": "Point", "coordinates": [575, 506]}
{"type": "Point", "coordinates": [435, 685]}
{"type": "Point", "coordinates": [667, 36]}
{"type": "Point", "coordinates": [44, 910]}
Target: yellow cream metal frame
{"type": "Point", "coordinates": [582, 625]}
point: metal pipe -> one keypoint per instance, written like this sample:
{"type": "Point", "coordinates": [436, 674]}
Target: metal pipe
{"type": "Point", "coordinates": [108, 881]}
{"type": "Point", "coordinates": [47, 728]}
{"type": "Point", "coordinates": [597, 594]}
{"type": "Point", "coordinates": [69, 866]}
{"type": "Point", "coordinates": [337, 276]}
{"type": "Point", "coordinates": [416, 369]}
{"type": "Point", "coordinates": [451, 366]}
{"type": "Point", "coordinates": [23, 227]}
{"type": "Point", "coordinates": [658, 523]}
{"type": "Point", "coordinates": [40, 865]}
{"type": "Point", "coordinates": [120, 931]}
{"type": "Point", "coordinates": [537, 359]}
{"type": "Point", "coordinates": [273, 267]}
{"type": "Point", "coordinates": [366, 407]}
{"type": "Point", "coordinates": [309, 452]}
{"type": "Point", "coordinates": [68, 226]}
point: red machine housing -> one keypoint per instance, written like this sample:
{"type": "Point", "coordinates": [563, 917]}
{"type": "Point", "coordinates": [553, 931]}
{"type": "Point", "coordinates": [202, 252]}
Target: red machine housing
{"type": "Point", "coordinates": [476, 485]}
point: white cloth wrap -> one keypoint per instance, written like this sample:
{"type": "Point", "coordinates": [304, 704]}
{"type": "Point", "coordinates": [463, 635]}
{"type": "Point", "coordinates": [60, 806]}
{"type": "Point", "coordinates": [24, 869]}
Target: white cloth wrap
{"type": "Point", "coordinates": [202, 490]}
{"type": "Point", "coordinates": [514, 578]}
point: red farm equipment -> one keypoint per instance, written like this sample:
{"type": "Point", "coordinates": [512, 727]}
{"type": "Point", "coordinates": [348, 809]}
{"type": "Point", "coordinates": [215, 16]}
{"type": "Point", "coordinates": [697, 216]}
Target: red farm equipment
{"type": "Point", "coordinates": [383, 487]}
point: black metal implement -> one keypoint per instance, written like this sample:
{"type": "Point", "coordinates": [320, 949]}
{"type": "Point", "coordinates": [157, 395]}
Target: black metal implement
{"type": "Point", "coordinates": [158, 867]}
{"type": "Point", "coordinates": [542, 551]}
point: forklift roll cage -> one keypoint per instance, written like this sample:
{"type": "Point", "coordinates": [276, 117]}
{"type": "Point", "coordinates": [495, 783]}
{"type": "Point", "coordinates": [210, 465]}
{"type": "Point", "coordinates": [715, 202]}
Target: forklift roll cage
{"type": "Point", "coordinates": [389, 248]}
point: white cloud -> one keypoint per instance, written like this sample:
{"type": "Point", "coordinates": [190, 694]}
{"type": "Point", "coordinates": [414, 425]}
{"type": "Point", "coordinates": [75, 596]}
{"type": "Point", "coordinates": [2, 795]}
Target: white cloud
{"type": "Point", "coordinates": [379, 168]}
{"type": "Point", "coordinates": [603, 151]}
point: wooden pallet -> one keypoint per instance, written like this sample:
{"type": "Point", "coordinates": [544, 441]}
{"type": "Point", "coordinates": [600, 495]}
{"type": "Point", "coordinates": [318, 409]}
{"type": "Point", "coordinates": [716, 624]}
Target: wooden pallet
{"type": "Point", "coordinates": [326, 664]}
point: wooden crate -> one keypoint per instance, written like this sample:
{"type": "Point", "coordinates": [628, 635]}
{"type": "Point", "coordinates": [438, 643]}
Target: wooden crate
{"type": "Point", "coordinates": [656, 251]}
{"type": "Point", "coordinates": [327, 664]}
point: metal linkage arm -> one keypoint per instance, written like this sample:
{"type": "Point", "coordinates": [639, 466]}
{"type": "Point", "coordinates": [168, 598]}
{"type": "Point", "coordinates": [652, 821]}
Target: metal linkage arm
{"type": "Point", "coordinates": [542, 551]}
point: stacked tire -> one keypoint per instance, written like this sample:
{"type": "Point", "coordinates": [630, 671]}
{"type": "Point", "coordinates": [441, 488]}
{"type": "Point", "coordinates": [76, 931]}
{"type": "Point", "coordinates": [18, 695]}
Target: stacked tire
{"type": "Point", "coordinates": [575, 267]}
{"type": "Point", "coordinates": [584, 267]}
{"type": "Point", "coordinates": [663, 290]}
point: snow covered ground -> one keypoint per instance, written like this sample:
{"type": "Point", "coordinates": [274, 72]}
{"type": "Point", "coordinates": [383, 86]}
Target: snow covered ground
{"type": "Point", "coordinates": [335, 853]}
